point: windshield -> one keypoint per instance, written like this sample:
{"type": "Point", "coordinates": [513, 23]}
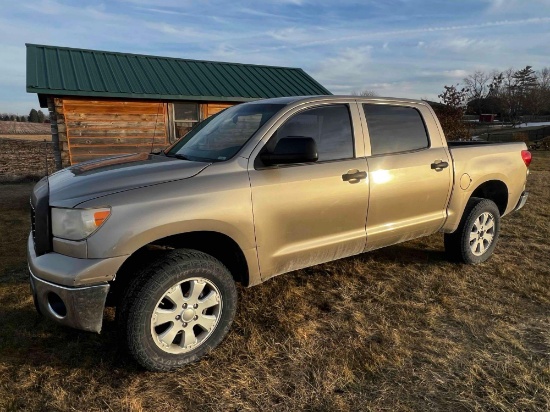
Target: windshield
{"type": "Point", "coordinates": [221, 136]}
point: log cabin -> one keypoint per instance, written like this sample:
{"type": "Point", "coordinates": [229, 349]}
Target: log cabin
{"type": "Point", "coordinates": [107, 103]}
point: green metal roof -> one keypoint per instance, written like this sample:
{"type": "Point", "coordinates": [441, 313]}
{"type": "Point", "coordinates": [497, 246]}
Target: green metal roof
{"type": "Point", "coordinates": [77, 72]}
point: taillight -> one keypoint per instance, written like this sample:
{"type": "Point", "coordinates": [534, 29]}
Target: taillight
{"type": "Point", "coordinates": [526, 156]}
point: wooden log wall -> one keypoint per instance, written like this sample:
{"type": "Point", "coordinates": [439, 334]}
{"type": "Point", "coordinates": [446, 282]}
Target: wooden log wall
{"type": "Point", "coordinates": [213, 108]}
{"type": "Point", "coordinates": [91, 129]}
{"type": "Point", "coordinates": [61, 140]}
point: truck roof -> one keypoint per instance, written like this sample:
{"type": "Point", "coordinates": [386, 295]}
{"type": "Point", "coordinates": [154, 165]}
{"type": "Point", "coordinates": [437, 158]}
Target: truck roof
{"type": "Point", "coordinates": [308, 99]}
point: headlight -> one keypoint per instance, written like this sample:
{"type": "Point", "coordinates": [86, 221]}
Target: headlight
{"type": "Point", "coordinates": [77, 224]}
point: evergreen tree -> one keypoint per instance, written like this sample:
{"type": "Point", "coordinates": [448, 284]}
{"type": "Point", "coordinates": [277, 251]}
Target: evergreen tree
{"type": "Point", "coordinates": [41, 116]}
{"type": "Point", "coordinates": [33, 116]}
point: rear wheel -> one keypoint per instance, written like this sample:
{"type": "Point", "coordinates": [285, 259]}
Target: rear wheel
{"type": "Point", "coordinates": [477, 235]}
{"type": "Point", "coordinates": [177, 310]}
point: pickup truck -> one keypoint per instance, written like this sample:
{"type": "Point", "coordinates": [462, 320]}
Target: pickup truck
{"type": "Point", "coordinates": [260, 189]}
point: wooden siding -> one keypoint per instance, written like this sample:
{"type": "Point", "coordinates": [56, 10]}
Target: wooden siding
{"type": "Point", "coordinates": [99, 128]}
{"type": "Point", "coordinates": [213, 108]}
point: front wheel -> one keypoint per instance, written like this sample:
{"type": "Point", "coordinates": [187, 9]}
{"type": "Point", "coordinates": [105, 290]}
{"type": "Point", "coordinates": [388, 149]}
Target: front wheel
{"type": "Point", "coordinates": [177, 310]}
{"type": "Point", "coordinates": [477, 234]}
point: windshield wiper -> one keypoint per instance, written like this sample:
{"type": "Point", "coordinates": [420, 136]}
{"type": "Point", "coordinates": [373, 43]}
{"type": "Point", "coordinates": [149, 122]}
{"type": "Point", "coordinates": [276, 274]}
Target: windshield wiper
{"type": "Point", "coordinates": [194, 159]}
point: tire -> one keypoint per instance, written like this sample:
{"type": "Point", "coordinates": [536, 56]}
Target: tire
{"type": "Point", "coordinates": [177, 310]}
{"type": "Point", "coordinates": [477, 234]}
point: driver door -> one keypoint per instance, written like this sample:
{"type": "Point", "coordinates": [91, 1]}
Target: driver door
{"type": "Point", "coordinates": [310, 213]}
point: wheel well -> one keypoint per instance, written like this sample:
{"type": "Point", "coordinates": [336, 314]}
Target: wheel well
{"type": "Point", "coordinates": [220, 246]}
{"type": "Point", "coordinates": [494, 190]}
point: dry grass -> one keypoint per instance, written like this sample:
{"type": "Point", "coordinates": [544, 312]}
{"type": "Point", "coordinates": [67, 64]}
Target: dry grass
{"type": "Point", "coordinates": [395, 329]}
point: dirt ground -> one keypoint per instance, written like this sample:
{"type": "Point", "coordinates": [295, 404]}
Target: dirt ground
{"type": "Point", "coordinates": [395, 329]}
{"type": "Point", "coordinates": [33, 137]}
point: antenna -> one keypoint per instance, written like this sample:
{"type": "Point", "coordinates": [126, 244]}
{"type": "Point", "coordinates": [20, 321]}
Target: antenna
{"type": "Point", "coordinates": [155, 129]}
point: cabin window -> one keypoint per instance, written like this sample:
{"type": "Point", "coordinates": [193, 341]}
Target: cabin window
{"type": "Point", "coordinates": [186, 116]}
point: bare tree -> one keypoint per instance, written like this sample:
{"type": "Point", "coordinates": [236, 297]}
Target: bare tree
{"type": "Point", "coordinates": [365, 93]}
{"type": "Point", "coordinates": [478, 85]}
{"type": "Point", "coordinates": [543, 80]}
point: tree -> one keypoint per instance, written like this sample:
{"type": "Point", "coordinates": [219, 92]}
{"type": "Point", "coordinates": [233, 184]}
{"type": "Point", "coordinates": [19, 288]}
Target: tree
{"type": "Point", "coordinates": [478, 87]}
{"type": "Point", "coordinates": [365, 93]}
{"type": "Point", "coordinates": [517, 89]}
{"type": "Point", "coordinates": [525, 83]}
{"type": "Point", "coordinates": [33, 116]}
{"type": "Point", "coordinates": [41, 116]}
{"type": "Point", "coordinates": [543, 87]}
{"type": "Point", "coordinates": [451, 112]}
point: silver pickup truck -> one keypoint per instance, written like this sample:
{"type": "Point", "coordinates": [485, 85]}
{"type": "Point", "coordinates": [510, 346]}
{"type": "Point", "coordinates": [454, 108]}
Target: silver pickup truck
{"type": "Point", "coordinates": [261, 189]}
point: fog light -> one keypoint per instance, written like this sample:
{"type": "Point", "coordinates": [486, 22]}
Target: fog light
{"type": "Point", "coordinates": [56, 305]}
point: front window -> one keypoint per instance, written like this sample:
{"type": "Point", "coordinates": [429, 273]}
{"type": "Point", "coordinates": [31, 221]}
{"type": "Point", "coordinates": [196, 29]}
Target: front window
{"type": "Point", "coordinates": [329, 126]}
{"type": "Point", "coordinates": [221, 136]}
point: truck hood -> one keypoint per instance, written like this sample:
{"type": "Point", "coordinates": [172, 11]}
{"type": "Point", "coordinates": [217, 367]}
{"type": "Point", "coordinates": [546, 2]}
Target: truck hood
{"type": "Point", "coordinates": [97, 178]}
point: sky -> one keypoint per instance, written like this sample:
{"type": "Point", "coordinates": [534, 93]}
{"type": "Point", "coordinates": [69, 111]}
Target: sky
{"type": "Point", "coordinates": [398, 48]}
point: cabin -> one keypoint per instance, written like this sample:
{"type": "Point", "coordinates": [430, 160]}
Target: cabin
{"type": "Point", "coordinates": [107, 103]}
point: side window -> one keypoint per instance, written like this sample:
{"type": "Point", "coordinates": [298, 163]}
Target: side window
{"type": "Point", "coordinates": [394, 129]}
{"type": "Point", "coordinates": [329, 126]}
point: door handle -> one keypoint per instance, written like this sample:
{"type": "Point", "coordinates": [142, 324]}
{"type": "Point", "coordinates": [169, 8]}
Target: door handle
{"type": "Point", "coordinates": [353, 175]}
{"type": "Point", "coordinates": [438, 164]}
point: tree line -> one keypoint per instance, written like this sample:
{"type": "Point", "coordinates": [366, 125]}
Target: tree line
{"type": "Point", "coordinates": [510, 94]}
{"type": "Point", "coordinates": [35, 116]}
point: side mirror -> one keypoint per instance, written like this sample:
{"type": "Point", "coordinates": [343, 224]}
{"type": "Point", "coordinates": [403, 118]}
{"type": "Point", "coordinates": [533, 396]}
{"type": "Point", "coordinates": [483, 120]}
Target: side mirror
{"type": "Point", "coordinates": [291, 150]}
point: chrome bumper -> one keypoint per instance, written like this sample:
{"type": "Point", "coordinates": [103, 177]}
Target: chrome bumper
{"type": "Point", "coordinates": [79, 308]}
{"type": "Point", "coordinates": [522, 200]}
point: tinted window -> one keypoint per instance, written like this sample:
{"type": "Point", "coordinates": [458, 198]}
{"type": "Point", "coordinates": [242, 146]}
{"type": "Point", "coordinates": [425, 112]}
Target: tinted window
{"type": "Point", "coordinates": [395, 129]}
{"type": "Point", "coordinates": [330, 126]}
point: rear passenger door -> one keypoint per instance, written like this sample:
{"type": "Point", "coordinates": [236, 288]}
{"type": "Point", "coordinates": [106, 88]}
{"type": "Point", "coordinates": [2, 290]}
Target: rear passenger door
{"type": "Point", "coordinates": [408, 193]}
{"type": "Point", "coordinates": [309, 213]}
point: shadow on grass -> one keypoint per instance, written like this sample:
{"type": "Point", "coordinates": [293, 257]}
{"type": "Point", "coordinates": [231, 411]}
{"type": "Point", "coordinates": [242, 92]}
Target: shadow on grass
{"type": "Point", "coordinates": [28, 338]}
{"type": "Point", "coordinates": [404, 253]}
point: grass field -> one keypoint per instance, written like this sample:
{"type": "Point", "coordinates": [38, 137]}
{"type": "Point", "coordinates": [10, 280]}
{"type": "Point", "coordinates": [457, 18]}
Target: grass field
{"type": "Point", "coordinates": [395, 329]}
{"type": "Point", "coordinates": [25, 128]}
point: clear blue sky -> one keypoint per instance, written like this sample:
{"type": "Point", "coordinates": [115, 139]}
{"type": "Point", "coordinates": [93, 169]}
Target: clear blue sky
{"type": "Point", "coordinates": [407, 48]}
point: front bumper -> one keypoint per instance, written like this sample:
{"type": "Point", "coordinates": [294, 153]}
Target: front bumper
{"type": "Point", "coordinates": [70, 271]}
{"type": "Point", "coordinates": [79, 308]}
{"type": "Point", "coordinates": [69, 290]}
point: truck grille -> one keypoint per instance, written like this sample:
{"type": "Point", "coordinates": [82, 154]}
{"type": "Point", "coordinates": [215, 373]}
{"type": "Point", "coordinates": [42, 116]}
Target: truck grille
{"type": "Point", "coordinates": [40, 218]}
{"type": "Point", "coordinates": [33, 224]}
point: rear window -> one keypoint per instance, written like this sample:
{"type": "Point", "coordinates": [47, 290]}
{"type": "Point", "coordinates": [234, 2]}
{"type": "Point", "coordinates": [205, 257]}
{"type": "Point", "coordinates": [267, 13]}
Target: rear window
{"type": "Point", "coordinates": [394, 129]}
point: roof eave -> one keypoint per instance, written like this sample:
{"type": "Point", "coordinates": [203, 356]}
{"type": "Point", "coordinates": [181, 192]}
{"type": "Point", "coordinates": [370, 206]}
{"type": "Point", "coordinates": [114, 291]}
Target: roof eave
{"type": "Point", "coordinates": [157, 97]}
